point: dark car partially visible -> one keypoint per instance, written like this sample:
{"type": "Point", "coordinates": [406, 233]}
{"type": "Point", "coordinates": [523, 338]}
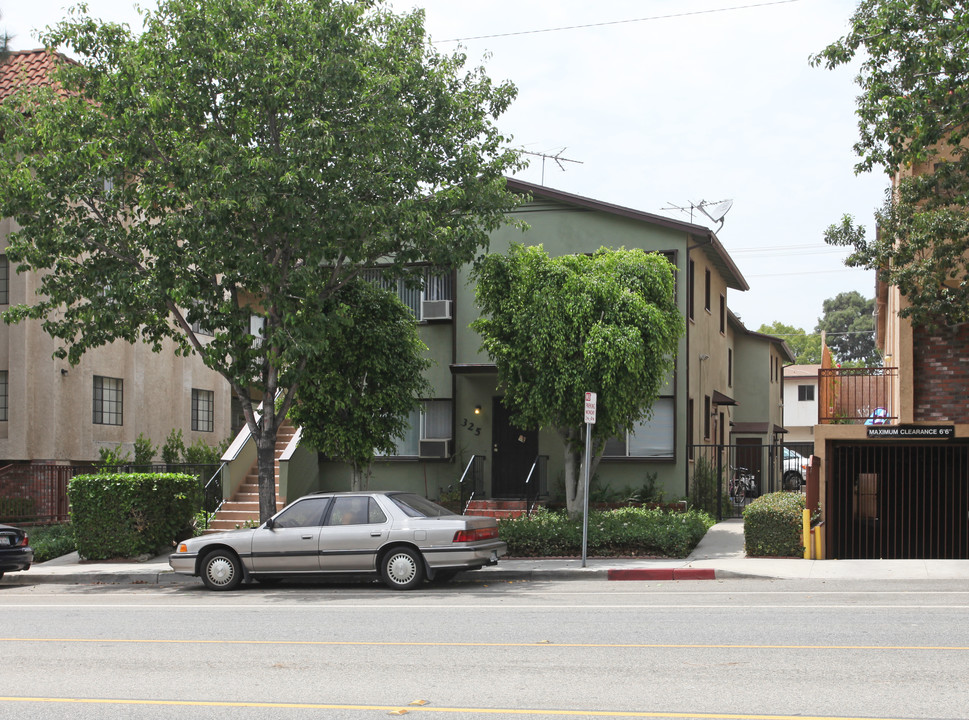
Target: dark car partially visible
{"type": "Point", "coordinates": [15, 552]}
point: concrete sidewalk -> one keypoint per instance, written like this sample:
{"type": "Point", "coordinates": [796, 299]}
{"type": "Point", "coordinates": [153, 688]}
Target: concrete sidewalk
{"type": "Point", "coordinates": [720, 555]}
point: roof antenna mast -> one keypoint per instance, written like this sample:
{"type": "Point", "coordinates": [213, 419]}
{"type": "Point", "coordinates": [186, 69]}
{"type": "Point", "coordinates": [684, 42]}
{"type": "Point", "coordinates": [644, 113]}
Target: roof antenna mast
{"type": "Point", "coordinates": [557, 157]}
{"type": "Point", "coordinates": [715, 210]}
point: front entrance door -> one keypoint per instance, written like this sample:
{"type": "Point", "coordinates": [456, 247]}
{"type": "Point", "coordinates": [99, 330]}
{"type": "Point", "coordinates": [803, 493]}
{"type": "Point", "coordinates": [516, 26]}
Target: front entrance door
{"type": "Point", "coordinates": [512, 453]}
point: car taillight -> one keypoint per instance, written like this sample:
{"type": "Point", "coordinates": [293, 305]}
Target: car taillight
{"type": "Point", "coordinates": [24, 543]}
{"type": "Point", "coordinates": [463, 536]}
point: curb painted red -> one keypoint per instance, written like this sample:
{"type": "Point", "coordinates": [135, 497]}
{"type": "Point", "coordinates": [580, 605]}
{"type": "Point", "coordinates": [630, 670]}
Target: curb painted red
{"type": "Point", "coordinates": [664, 574]}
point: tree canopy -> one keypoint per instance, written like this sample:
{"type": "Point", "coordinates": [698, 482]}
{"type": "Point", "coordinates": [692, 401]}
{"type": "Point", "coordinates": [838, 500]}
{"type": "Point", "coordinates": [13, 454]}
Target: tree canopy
{"type": "Point", "coordinates": [806, 347]}
{"type": "Point", "coordinates": [849, 326]}
{"type": "Point", "coordinates": [363, 379]}
{"type": "Point", "coordinates": [913, 115]}
{"type": "Point", "coordinates": [244, 158]}
{"type": "Point", "coordinates": [557, 328]}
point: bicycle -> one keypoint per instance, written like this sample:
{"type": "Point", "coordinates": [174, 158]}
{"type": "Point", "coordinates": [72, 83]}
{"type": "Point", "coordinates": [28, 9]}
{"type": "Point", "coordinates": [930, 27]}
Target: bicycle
{"type": "Point", "coordinates": [741, 486]}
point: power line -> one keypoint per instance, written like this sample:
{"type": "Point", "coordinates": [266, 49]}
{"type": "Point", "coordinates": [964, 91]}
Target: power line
{"type": "Point", "coordinates": [618, 22]}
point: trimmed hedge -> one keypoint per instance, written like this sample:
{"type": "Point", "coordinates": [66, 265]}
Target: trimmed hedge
{"type": "Point", "coordinates": [627, 531]}
{"type": "Point", "coordinates": [127, 514]}
{"type": "Point", "coordinates": [772, 525]}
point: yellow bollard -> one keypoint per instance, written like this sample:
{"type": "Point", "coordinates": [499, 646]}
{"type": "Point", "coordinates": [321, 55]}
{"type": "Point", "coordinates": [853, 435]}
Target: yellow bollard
{"type": "Point", "coordinates": [818, 543]}
{"type": "Point", "coordinates": [806, 531]}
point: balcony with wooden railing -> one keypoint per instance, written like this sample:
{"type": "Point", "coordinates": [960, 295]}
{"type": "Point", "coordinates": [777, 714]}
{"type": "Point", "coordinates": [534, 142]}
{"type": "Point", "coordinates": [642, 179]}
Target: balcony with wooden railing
{"type": "Point", "coordinates": [857, 395]}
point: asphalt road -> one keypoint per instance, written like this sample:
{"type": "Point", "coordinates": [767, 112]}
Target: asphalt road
{"type": "Point", "coordinates": [716, 649]}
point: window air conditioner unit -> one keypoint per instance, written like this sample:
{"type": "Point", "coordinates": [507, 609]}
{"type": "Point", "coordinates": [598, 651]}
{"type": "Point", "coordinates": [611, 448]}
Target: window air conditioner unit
{"type": "Point", "coordinates": [436, 310]}
{"type": "Point", "coordinates": [438, 448]}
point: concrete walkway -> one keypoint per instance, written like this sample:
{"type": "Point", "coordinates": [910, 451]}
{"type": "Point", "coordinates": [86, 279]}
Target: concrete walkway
{"type": "Point", "coordinates": [720, 555]}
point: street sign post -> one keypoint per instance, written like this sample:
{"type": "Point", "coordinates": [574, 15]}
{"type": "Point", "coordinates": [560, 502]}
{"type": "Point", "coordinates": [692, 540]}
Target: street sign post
{"type": "Point", "coordinates": [590, 420]}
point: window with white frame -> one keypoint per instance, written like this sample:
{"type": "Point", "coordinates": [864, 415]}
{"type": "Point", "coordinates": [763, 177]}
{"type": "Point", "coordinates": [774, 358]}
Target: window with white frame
{"type": "Point", "coordinates": [432, 421]}
{"type": "Point", "coordinates": [108, 401]}
{"type": "Point", "coordinates": [805, 393]}
{"type": "Point", "coordinates": [203, 410]}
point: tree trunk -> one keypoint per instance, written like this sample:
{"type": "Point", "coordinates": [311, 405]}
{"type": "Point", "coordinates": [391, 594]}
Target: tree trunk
{"type": "Point", "coordinates": [356, 478]}
{"type": "Point", "coordinates": [574, 480]}
{"type": "Point", "coordinates": [266, 463]}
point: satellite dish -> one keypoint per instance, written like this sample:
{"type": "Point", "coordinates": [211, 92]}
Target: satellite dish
{"type": "Point", "coordinates": [715, 210]}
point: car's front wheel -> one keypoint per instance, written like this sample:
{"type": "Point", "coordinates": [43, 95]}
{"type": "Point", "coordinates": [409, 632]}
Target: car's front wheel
{"type": "Point", "coordinates": [221, 570]}
{"type": "Point", "coordinates": [402, 569]}
{"type": "Point", "coordinates": [792, 481]}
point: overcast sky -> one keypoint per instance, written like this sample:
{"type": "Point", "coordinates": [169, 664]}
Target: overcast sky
{"type": "Point", "coordinates": [664, 103]}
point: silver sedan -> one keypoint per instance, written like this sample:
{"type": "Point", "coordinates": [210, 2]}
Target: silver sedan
{"type": "Point", "coordinates": [403, 537]}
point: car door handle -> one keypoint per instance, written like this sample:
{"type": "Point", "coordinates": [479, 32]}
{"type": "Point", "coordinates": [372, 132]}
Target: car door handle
{"type": "Point", "coordinates": [307, 537]}
{"type": "Point", "coordinates": [376, 534]}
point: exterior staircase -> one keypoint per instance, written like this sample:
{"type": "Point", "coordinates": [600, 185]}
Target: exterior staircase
{"type": "Point", "coordinates": [500, 509]}
{"type": "Point", "coordinates": [243, 506]}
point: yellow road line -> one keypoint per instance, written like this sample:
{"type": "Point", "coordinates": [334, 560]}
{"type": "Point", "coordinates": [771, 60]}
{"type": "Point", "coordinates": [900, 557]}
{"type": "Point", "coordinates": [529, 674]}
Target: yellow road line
{"type": "Point", "coordinates": [429, 708]}
{"type": "Point", "coordinates": [540, 644]}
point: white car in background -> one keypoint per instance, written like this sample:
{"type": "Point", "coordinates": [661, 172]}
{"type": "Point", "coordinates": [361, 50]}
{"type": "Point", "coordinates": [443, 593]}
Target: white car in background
{"type": "Point", "coordinates": [795, 470]}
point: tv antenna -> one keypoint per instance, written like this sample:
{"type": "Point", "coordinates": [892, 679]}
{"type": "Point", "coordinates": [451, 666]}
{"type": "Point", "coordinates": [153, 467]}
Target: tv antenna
{"type": "Point", "coordinates": [557, 157]}
{"type": "Point", "coordinates": [715, 210]}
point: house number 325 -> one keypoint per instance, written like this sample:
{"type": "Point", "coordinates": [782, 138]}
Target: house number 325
{"type": "Point", "coordinates": [471, 427]}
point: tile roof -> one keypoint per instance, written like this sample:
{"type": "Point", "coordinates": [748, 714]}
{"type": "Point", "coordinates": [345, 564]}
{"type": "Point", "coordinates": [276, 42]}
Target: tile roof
{"type": "Point", "coordinates": [26, 67]}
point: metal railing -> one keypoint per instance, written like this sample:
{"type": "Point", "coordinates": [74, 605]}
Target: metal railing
{"type": "Point", "coordinates": [536, 484]}
{"type": "Point", "coordinates": [472, 481]}
{"type": "Point", "coordinates": [36, 493]}
{"type": "Point", "coordinates": [857, 395]}
{"type": "Point", "coordinates": [717, 471]}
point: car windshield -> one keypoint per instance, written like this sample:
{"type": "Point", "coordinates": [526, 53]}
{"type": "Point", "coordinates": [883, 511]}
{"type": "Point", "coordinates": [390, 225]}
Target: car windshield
{"type": "Point", "coordinates": [417, 506]}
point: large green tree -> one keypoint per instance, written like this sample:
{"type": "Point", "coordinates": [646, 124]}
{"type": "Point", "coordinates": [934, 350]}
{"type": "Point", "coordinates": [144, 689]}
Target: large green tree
{"type": "Point", "coordinates": [244, 158]}
{"type": "Point", "coordinates": [913, 115]}
{"type": "Point", "coordinates": [806, 347]}
{"type": "Point", "coordinates": [848, 322]}
{"type": "Point", "coordinates": [364, 378]}
{"type": "Point", "coordinates": [560, 327]}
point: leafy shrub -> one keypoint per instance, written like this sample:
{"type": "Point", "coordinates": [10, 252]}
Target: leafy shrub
{"type": "Point", "coordinates": [200, 453]}
{"type": "Point", "coordinates": [112, 456]}
{"type": "Point", "coordinates": [624, 531]}
{"type": "Point", "coordinates": [772, 525]}
{"type": "Point", "coordinates": [144, 450]}
{"type": "Point", "coordinates": [51, 541]}
{"type": "Point", "coordinates": [127, 514]}
{"type": "Point", "coordinates": [173, 448]}
{"type": "Point", "coordinates": [703, 488]}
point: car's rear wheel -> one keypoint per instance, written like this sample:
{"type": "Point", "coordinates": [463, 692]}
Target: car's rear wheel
{"type": "Point", "coordinates": [402, 569]}
{"type": "Point", "coordinates": [221, 570]}
{"type": "Point", "coordinates": [792, 481]}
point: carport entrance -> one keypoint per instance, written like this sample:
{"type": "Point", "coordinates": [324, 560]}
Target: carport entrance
{"type": "Point", "coordinates": [898, 501]}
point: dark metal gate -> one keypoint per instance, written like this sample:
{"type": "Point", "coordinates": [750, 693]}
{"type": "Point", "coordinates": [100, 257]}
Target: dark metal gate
{"type": "Point", "coordinates": [725, 478]}
{"type": "Point", "coordinates": [898, 501]}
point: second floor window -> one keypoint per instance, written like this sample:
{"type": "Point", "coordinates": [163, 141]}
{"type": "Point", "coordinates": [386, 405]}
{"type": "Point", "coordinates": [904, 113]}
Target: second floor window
{"type": "Point", "coordinates": [4, 396]}
{"type": "Point", "coordinates": [4, 280]}
{"type": "Point", "coordinates": [430, 301]}
{"type": "Point", "coordinates": [203, 410]}
{"type": "Point", "coordinates": [108, 401]}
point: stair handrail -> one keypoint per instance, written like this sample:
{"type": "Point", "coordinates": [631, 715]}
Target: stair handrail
{"type": "Point", "coordinates": [472, 467]}
{"type": "Point", "coordinates": [539, 464]}
{"type": "Point", "coordinates": [216, 476]}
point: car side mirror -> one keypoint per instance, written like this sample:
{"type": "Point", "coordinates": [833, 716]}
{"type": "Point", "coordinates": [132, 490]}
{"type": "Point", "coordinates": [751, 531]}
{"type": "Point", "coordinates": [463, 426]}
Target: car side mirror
{"type": "Point", "coordinates": [270, 524]}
